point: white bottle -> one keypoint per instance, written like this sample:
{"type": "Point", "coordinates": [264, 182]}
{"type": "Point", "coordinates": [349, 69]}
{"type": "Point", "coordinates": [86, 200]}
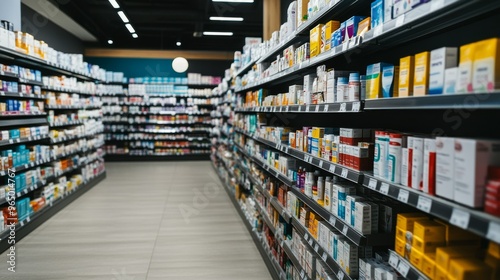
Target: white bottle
{"type": "Point", "coordinates": [309, 184]}
{"type": "Point", "coordinates": [327, 203]}
{"type": "Point", "coordinates": [321, 190]}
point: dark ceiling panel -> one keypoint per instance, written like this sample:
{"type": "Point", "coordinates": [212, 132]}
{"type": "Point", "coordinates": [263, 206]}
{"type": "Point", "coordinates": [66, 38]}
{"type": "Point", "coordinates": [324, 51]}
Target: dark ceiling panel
{"type": "Point", "coordinates": [160, 23]}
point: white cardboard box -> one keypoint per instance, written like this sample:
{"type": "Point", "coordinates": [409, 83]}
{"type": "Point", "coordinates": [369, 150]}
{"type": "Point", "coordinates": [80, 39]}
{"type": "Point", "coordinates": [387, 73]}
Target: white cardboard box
{"type": "Point", "coordinates": [444, 166]}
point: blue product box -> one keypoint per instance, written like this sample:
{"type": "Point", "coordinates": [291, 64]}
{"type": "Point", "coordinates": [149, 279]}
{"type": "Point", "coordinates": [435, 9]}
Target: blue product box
{"type": "Point", "coordinates": [38, 76]}
{"type": "Point", "coordinates": [377, 12]}
{"type": "Point", "coordinates": [351, 27]}
{"type": "Point", "coordinates": [388, 81]}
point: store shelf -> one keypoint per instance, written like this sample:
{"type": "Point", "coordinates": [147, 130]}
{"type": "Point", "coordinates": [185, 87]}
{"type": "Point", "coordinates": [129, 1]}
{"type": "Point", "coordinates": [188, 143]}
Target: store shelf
{"type": "Point", "coordinates": [185, 157]}
{"type": "Point", "coordinates": [332, 266]}
{"type": "Point", "coordinates": [281, 210]}
{"type": "Point", "coordinates": [22, 95]}
{"type": "Point", "coordinates": [24, 167]}
{"type": "Point", "coordinates": [36, 186]}
{"type": "Point", "coordinates": [245, 68]}
{"type": "Point", "coordinates": [170, 122]}
{"type": "Point", "coordinates": [173, 113]}
{"type": "Point", "coordinates": [66, 90]}
{"type": "Point", "coordinates": [23, 140]}
{"type": "Point", "coordinates": [69, 107]}
{"type": "Point", "coordinates": [11, 114]}
{"type": "Point", "coordinates": [71, 138]}
{"type": "Point", "coordinates": [150, 131]}
{"type": "Point", "coordinates": [37, 218]}
{"type": "Point", "coordinates": [344, 107]}
{"type": "Point", "coordinates": [473, 101]}
{"type": "Point", "coordinates": [483, 224]}
{"type": "Point", "coordinates": [265, 217]}
{"type": "Point", "coordinates": [407, 270]}
{"type": "Point", "coordinates": [10, 75]}
{"type": "Point", "coordinates": [294, 260]}
{"type": "Point", "coordinates": [30, 82]}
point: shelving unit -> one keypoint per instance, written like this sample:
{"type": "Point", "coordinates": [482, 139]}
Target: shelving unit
{"type": "Point", "coordinates": [86, 155]}
{"type": "Point", "coordinates": [454, 115]}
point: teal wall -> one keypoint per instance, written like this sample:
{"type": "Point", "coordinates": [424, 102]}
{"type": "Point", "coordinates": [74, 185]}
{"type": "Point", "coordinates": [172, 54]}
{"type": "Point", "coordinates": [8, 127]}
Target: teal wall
{"type": "Point", "coordinates": [138, 67]}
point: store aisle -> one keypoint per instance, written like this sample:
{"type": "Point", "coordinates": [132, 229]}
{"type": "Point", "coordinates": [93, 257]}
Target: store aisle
{"type": "Point", "coordinates": [142, 223]}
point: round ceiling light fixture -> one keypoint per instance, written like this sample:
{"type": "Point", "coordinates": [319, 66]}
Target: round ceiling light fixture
{"type": "Point", "coordinates": [178, 43]}
{"type": "Point", "coordinates": [110, 42]}
{"type": "Point", "coordinates": [180, 64]}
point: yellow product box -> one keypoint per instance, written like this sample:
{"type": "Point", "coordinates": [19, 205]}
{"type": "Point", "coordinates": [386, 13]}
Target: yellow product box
{"type": "Point", "coordinates": [364, 26]}
{"type": "Point", "coordinates": [404, 235]}
{"type": "Point", "coordinates": [400, 247]}
{"type": "Point", "coordinates": [486, 66]}
{"type": "Point", "coordinates": [456, 236]}
{"type": "Point", "coordinates": [318, 132]}
{"type": "Point", "coordinates": [421, 74]}
{"type": "Point", "coordinates": [426, 246]}
{"type": "Point", "coordinates": [19, 40]}
{"type": "Point", "coordinates": [429, 265]}
{"type": "Point", "coordinates": [301, 11]}
{"type": "Point", "coordinates": [494, 263]}
{"type": "Point", "coordinates": [374, 80]}
{"type": "Point", "coordinates": [417, 259]}
{"type": "Point", "coordinates": [466, 269]}
{"type": "Point", "coordinates": [326, 34]}
{"type": "Point", "coordinates": [406, 67]}
{"type": "Point", "coordinates": [445, 254]}
{"type": "Point", "coordinates": [440, 274]}
{"type": "Point", "coordinates": [494, 249]}
{"type": "Point", "coordinates": [405, 221]}
{"type": "Point", "coordinates": [429, 231]}
{"type": "Point", "coordinates": [464, 83]}
{"type": "Point", "coordinates": [315, 41]}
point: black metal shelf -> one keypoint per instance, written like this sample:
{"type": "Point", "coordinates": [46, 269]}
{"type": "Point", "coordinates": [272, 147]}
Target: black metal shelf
{"type": "Point", "coordinates": [72, 138]}
{"type": "Point", "coordinates": [129, 157]}
{"type": "Point", "coordinates": [66, 90]}
{"type": "Point", "coordinates": [407, 270]}
{"type": "Point", "coordinates": [30, 82]}
{"type": "Point", "coordinates": [344, 107]}
{"type": "Point", "coordinates": [70, 123]}
{"type": "Point", "coordinates": [22, 95]}
{"type": "Point", "coordinates": [294, 260]}
{"type": "Point", "coordinates": [69, 107]}
{"type": "Point", "coordinates": [9, 75]}
{"type": "Point", "coordinates": [37, 218]}
{"type": "Point", "coordinates": [445, 102]}
{"type": "Point", "coordinates": [9, 115]}
{"type": "Point", "coordinates": [23, 140]}
{"type": "Point", "coordinates": [478, 222]}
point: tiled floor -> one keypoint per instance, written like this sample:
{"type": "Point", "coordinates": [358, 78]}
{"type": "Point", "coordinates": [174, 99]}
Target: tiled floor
{"type": "Point", "coordinates": [158, 220]}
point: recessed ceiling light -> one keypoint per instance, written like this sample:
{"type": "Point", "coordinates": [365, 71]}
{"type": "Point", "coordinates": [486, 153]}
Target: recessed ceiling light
{"type": "Point", "coordinates": [234, 1]}
{"type": "Point", "coordinates": [135, 35]}
{"type": "Point", "coordinates": [227, 18]}
{"type": "Point", "coordinates": [178, 43]}
{"type": "Point", "coordinates": [114, 4]}
{"type": "Point", "coordinates": [130, 28]}
{"type": "Point", "coordinates": [110, 42]}
{"type": "Point", "coordinates": [123, 16]}
{"type": "Point", "coordinates": [217, 33]}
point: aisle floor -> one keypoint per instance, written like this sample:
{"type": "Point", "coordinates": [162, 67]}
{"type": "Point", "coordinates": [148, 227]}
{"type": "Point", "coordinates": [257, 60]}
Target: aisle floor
{"type": "Point", "coordinates": [154, 220]}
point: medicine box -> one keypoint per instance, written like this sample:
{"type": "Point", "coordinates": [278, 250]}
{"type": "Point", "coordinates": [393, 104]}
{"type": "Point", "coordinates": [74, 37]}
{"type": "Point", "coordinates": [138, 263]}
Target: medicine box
{"type": "Point", "coordinates": [471, 161]}
{"type": "Point", "coordinates": [441, 59]}
{"type": "Point", "coordinates": [301, 11]}
{"type": "Point", "coordinates": [388, 10]}
{"type": "Point", "coordinates": [417, 259]}
{"type": "Point", "coordinates": [377, 13]}
{"type": "Point", "coordinates": [326, 33]}
{"type": "Point", "coordinates": [406, 69]}
{"type": "Point", "coordinates": [450, 80]}
{"type": "Point", "coordinates": [390, 81]}
{"type": "Point", "coordinates": [315, 40]}
{"type": "Point", "coordinates": [374, 80]}
{"type": "Point", "coordinates": [417, 162]}
{"type": "Point", "coordinates": [486, 66]}
{"type": "Point", "coordinates": [429, 264]}
{"type": "Point", "coordinates": [400, 7]}
{"type": "Point", "coordinates": [463, 269]}
{"type": "Point", "coordinates": [420, 81]}
{"type": "Point", "coordinates": [426, 246]}
{"type": "Point", "coordinates": [400, 246]}
{"type": "Point", "coordinates": [429, 173]}
{"type": "Point", "coordinates": [464, 84]}
{"type": "Point", "coordinates": [406, 221]}
{"type": "Point", "coordinates": [429, 230]}
{"type": "Point", "coordinates": [445, 149]}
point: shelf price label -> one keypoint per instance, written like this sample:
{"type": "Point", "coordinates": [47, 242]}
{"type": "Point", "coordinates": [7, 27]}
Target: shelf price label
{"type": "Point", "coordinates": [377, 31]}
{"type": "Point", "coordinates": [332, 168]}
{"type": "Point", "coordinates": [306, 236]}
{"type": "Point", "coordinates": [316, 109]}
{"type": "Point", "coordinates": [345, 229]}
{"type": "Point", "coordinates": [493, 232]}
{"type": "Point", "coordinates": [332, 220]}
{"type": "Point", "coordinates": [287, 108]}
{"type": "Point", "coordinates": [340, 274]}
{"type": "Point", "coordinates": [403, 268]}
{"type": "Point", "coordinates": [321, 163]}
{"type": "Point", "coordinates": [356, 106]}
{"type": "Point", "coordinates": [400, 20]}
{"type": "Point", "coordinates": [393, 260]}
{"type": "Point", "coordinates": [311, 242]}
{"type": "Point", "coordinates": [302, 273]}
{"type": "Point", "coordinates": [324, 256]}
{"type": "Point", "coordinates": [436, 5]}
{"type": "Point", "coordinates": [343, 107]}
{"type": "Point", "coordinates": [372, 184]}
{"type": "Point", "coordinates": [316, 247]}
{"type": "Point", "coordinates": [460, 218]}
{"type": "Point", "coordinates": [424, 204]}
{"type": "Point", "coordinates": [325, 109]}
{"type": "Point", "coordinates": [403, 196]}
{"type": "Point", "coordinates": [344, 173]}
{"type": "Point", "coordinates": [345, 46]}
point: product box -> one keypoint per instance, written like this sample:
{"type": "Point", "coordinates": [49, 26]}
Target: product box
{"type": "Point", "coordinates": [351, 26]}
{"type": "Point", "coordinates": [426, 246]}
{"type": "Point", "coordinates": [429, 264]}
{"type": "Point", "coordinates": [404, 235]}
{"type": "Point", "coordinates": [440, 274]}
{"type": "Point", "coordinates": [464, 84]}
{"type": "Point", "coordinates": [450, 80]}
{"type": "Point", "coordinates": [471, 161]}
{"type": "Point", "coordinates": [377, 13]}
{"type": "Point", "coordinates": [444, 255]}
{"type": "Point", "coordinates": [406, 221]}
{"type": "Point", "coordinates": [486, 66]}
{"type": "Point", "coordinates": [388, 10]}
{"type": "Point", "coordinates": [301, 11]}
{"type": "Point", "coordinates": [308, 87]}
{"type": "Point", "coordinates": [462, 269]}
{"type": "Point", "coordinates": [441, 59]}
{"type": "Point", "coordinates": [351, 258]}
{"type": "Point", "coordinates": [420, 81]}
{"type": "Point", "coordinates": [364, 26]}
{"type": "Point", "coordinates": [429, 230]}
{"type": "Point", "coordinates": [400, 247]}
{"type": "Point", "coordinates": [400, 7]}
{"type": "Point", "coordinates": [327, 31]}
{"type": "Point", "coordinates": [4, 37]}
{"type": "Point", "coordinates": [315, 40]}
{"type": "Point", "coordinates": [458, 237]}
{"type": "Point", "coordinates": [417, 167]}
{"type": "Point", "coordinates": [390, 81]}
{"type": "Point", "coordinates": [445, 149]}
{"type": "Point", "coordinates": [350, 212]}
{"type": "Point", "coordinates": [417, 259]}
{"type": "Point", "coordinates": [374, 80]}
{"type": "Point", "coordinates": [406, 70]}
{"type": "Point", "coordinates": [429, 173]}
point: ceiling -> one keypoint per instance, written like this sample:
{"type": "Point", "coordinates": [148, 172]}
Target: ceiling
{"type": "Point", "coordinates": [160, 24]}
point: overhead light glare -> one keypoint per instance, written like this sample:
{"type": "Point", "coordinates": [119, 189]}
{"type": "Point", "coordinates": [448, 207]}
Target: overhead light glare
{"type": "Point", "coordinates": [234, 1]}
{"type": "Point", "coordinates": [130, 28]}
{"type": "Point", "coordinates": [226, 18]}
{"type": "Point", "coordinates": [114, 4]}
{"type": "Point", "coordinates": [217, 33]}
{"type": "Point", "coordinates": [135, 35]}
{"type": "Point", "coordinates": [110, 42]}
{"type": "Point", "coordinates": [123, 16]}
{"type": "Point", "coordinates": [178, 43]}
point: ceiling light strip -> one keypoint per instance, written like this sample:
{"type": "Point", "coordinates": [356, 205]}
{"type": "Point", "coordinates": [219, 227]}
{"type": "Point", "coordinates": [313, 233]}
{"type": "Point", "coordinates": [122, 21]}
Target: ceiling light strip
{"type": "Point", "coordinates": [226, 18]}
{"type": "Point", "coordinates": [114, 4]}
{"type": "Point", "coordinates": [234, 1]}
{"type": "Point", "coordinates": [217, 33]}
{"type": "Point", "coordinates": [130, 28]}
{"type": "Point", "coordinates": [123, 16]}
